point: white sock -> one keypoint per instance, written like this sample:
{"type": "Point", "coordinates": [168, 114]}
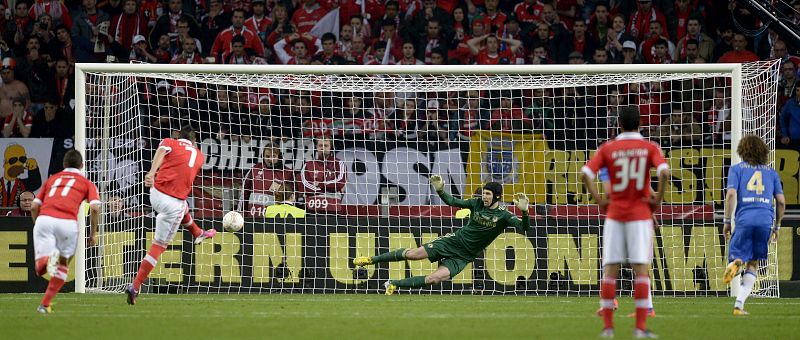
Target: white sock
{"type": "Point", "coordinates": [748, 280]}
{"type": "Point", "coordinates": [650, 300]}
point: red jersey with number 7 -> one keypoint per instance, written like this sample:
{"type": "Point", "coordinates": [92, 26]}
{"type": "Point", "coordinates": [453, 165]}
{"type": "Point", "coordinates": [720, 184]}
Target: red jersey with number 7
{"type": "Point", "coordinates": [629, 158]}
{"type": "Point", "coordinates": [179, 168]}
{"type": "Point", "coordinates": [62, 194]}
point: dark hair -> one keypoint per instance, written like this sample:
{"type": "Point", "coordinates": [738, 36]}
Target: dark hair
{"type": "Point", "coordinates": [660, 42]}
{"type": "Point", "coordinates": [244, 13]}
{"type": "Point", "coordinates": [328, 37]}
{"type": "Point", "coordinates": [495, 188]}
{"type": "Point", "coordinates": [692, 42]}
{"type": "Point", "coordinates": [19, 99]}
{"type": "Point", "coordinates": [73, 159]}
{"type": "Point", "coordinates": [753, 150]}
{"type": "Point", "coordinates": [441, 51]}
{"type": "Point", "coordinates": [379, 45]}
{"type": "Point", "coordinates": [187, 132]}
{"type": "Point", "coordinates": [388, 22]}
{"type": "Point", "coordinates": [238, 39]}
{"type": "Point", "coordinates": [629, 118]}
{"type": "Point", "coordinates": [392, 2]}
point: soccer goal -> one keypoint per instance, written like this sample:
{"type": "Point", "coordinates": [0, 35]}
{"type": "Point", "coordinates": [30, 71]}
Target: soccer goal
{"type": "Point", "coordinates": [264, 131]}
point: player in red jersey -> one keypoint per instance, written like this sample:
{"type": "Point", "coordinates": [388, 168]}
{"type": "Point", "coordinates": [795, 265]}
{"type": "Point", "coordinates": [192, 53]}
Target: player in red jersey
{"type": "Point", "coordinates": [628, 230]}
{"type": "Point", "coordinates": [55, 217]}
{"type": "Point", "coordinates": [175, 165]}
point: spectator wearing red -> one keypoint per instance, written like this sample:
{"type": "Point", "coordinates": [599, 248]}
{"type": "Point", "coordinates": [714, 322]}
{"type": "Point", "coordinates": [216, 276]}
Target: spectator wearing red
{"type": "Point", "coordinates": [469, 118]}
{"type": "Point", "coordinates": [432, 40]}
{"type": "Point", "coordinates": [640, 20]}
{"type": "Point", "coordinates": [222, 44]}
{"type": "Point", "coordinates": [694, 30]}
{"type": "Point", "coordinates": [124, 27]}
{"type": "Point", "coordinates": [360, 27]}
{"type": "Point", "coordinates": [323, 178]}
{"type": "Point", "coordinates": [682, 11]}
{"type": "Point", "coordinates": [718, 118]}
{"type": "Point", "coordinates": [18, 28]}
{"type": "Point", "coordinates": [265, 183]}
{"type": "Point", "coordinates": [582, 42]}
{"type": "Point", "coordinates": [648, 49]}
{"type": "Point", "coordinates": [462, 33]}
{"type": "Point", "coordinates": [188, 55]}
{"type": "Point", "coordinates": [237, 55]}
{"type": "Point", "coordinates": [63, 83]}
{"type": "Point", "coordinates": [20, 122]}
{"type": "Point", "coordinates": [409, 56]}
{"type": "Point", "coordinates": [740, 54]}
{"type": "Point", "coordinates": [151, 10]}
{"type": "Point", "coordinates": [491, 55]}
{"type": "Point", "coordinates": [299, 49]}
{"type": "Point", "coordinates": [493, 19]}
{"type": "Point", "coordinates": [509, 116]}
{"type": "Point", "coordinates": [661, 55]}
{"type": "Point", "coordinates": [24, 204]}
{"type": "Point", "coordinates": [306, 16]}
{"type": "Point", "coordinates": [528, 12]}
{"type": "Point", "coordinates": [57, 11]}
{"type": "Point", "coordinates": [162, 50]}
{"type": "Point", "coordinates": [393, 40]}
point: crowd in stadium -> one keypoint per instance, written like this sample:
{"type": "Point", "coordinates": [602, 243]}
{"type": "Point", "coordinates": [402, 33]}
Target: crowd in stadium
{"type": "Point", "coordinates": [42, 40]}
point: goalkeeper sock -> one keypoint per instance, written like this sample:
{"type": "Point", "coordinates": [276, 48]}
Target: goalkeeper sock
{"type": "Point", "coordinates": [641, 289]}
{"type": "Point", "coordinates": [748, 280]}
{"type": "Point", "coordinates": [410, 282]}
{"type": "Point", "coordinates": [608, 288]}
{"type": "Point", "coordinates": [148, 263]}
{"type": "Point", "coordinates": [56, 282]}
{"type": "Point", "coordinates": [188, 223]}
{"type": "Point", "coordinates": [392, 256]}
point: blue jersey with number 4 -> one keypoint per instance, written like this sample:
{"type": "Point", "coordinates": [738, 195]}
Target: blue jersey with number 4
{"type": "Point", "coordinates": [756, 186]}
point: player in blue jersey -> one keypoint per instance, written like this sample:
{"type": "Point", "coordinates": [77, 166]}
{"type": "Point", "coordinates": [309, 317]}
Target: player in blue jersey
{"type": "Point", "coordinates": [602, 175]}
{"type": "Point", "coordinates": [752, 185]}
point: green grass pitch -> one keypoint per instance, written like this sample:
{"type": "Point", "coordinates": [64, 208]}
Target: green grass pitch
{"type": "Point", "coordinates": [106, 316]}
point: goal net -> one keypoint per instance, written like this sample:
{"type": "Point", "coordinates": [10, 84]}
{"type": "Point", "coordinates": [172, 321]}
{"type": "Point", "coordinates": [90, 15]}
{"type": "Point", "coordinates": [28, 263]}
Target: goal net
{"type": "Point", "coordinates": [327, 164]}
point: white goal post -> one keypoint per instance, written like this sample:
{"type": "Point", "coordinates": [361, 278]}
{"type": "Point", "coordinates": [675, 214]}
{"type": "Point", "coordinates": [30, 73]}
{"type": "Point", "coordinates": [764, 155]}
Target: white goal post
{"type": "Point", "coordinates": [528, 126]}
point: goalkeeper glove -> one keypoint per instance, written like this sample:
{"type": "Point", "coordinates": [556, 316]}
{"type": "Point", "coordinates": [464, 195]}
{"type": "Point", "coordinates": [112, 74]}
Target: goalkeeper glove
{"type": "Point", "coordinates": [437, 183]}
{"type": "Point", "coordinates": [521, 201]}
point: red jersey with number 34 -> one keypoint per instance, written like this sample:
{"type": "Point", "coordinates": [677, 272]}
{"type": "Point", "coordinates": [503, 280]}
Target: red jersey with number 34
{"type": "Point", "coordinates": [62, 194]}
{"type": "Point", "coordinates": [181, 164]}
{"type": "Point", "coordinates": [628, 159]}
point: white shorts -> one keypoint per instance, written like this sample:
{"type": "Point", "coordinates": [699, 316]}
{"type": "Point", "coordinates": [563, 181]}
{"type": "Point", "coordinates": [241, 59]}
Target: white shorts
{"type": "Point", "coordinates": [628, 242]}
{"type": "Point", "coordinates": [50, 233]}
{"type": "Point", "coordinates": [169, 212]}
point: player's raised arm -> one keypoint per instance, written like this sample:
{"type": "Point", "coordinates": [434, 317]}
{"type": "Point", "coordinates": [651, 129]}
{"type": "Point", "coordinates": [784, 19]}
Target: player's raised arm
{"type": "Point", "coordinates": [438, 185]}
{"type": "Point", "coordinates": [522, 203]}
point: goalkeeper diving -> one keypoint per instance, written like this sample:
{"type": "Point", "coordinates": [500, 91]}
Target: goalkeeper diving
{"type": "Point", "coordinates": [488, 218]}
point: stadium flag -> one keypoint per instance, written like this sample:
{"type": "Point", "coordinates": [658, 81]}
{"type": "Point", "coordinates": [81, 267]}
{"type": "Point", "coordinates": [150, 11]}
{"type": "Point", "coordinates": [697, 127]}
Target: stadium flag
{"type": "Point", "coordinates": [328, 23]}
{"type": "Point", "coordinates": [518, 161]}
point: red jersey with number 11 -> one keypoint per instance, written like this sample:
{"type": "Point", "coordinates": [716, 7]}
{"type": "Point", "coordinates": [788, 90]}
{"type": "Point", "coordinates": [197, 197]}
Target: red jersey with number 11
{"type": "Point", "coordinates": [62, 194]}
{"type": "Point", "coordinates": [179, 168]}
{"type": "Point", "coordinates": [629, 159]}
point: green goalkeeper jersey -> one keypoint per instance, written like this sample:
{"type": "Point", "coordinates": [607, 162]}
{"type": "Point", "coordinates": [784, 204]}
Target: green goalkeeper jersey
{"type": "Point", "coordinates": [484, 224]}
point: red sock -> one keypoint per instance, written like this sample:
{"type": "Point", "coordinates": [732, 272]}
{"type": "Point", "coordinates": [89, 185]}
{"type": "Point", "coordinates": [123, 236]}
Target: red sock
{"type": "Point", "coordinates": [188, 223]}
{"type": "Point", "coordinates": [641, 289]}
{"type": "Point", "coordinates": [608, 289]}
{"type": "Point", "coordinates": [148, 263]}
{"type": "Point", "coordinates": [41, 265]}
{"type": "Point", "coordinates": [56, 282]}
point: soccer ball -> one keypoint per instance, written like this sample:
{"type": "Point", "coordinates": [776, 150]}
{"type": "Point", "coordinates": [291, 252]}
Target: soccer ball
{"type": "Point", "coordinates": [233, 221]}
